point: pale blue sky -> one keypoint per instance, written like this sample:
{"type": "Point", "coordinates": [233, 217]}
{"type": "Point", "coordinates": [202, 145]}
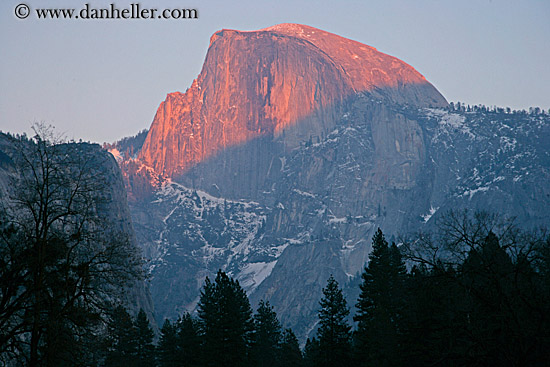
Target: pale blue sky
{"type": "Point", "coordinates": [102, 80]}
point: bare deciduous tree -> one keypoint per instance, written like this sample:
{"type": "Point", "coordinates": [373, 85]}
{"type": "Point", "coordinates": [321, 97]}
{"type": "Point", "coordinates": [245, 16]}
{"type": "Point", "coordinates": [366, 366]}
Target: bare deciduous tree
{"type": "Point", "coordinates": [63, 259]}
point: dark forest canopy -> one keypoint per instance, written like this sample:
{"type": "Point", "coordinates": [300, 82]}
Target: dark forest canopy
{"type": "Point", "coordinates": [476, 292]}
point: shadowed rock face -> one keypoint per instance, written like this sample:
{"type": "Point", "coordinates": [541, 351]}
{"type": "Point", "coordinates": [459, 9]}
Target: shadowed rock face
{"type": "Point", "coordinates": [292, 147]}
{"type": "Point", "coordinates": [112, 207]}
{"type": "Point", "coordinates": [261, 83]}
{"type": "Point", "coordinates": [299, 137]}
{"type": "Point", "coordinates": [282, 221]}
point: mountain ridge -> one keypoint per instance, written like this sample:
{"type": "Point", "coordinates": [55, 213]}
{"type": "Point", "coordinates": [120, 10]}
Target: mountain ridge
{"type": "Point", "coordinates": [293, 79]}
{"type": "Point", "coordinates": [217, 185]}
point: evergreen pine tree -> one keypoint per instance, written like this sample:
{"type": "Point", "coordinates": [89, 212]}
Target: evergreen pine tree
{"type": "Point", "coordinates": [226, 323]}
{"type": "Point", "coordinates": [122, 339]}
{"type": "Point", "coordinates": [534, 292]}
{"type": "Point", "coordinates": [312, 353]}
{"type": "Point", "coordinates": [488, 275]}
{"type": "Point", "coordinates": [144, 341]}
{"type": "Point", "coordinates": [290, 354]}
{"type": "Point", "coordinates": [434, 319]}
{"type": "Point", "coordinates": [334, 332]}
{"type": "Point", "coordinates": [380, 306]}
{"type": "Point", "coordinates": [267, 336]}
{"type": "Point", "coordinates": [487, 310]}
{"type": "Point", "coordinates": [167, 349]}
{"type": "Point", "coordinates": [189, 343]}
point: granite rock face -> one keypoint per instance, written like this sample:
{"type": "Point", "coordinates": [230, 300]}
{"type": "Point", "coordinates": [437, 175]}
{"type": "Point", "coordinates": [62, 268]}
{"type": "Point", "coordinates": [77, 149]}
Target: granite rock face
{"type": "Point", "coordinates": [112, 207]}
{"type": "Point", "coordinates": [293, 146]}
{"type": "Point", "coordinates": [287, 82]}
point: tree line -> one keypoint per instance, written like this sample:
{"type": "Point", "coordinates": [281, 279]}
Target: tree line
{"type": "Point", "coordinates": [463, 107]}
{"type": "Point", "coordinates": [225, 332]}
{"type": "Point", "coordinates": [484, 302]}
{"type": "Point", "coordinates": [475, 291]}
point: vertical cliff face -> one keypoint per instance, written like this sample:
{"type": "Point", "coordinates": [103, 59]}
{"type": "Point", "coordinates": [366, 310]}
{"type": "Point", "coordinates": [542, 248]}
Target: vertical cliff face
{"type": "Point", "coordinates": [110, 206]}
{"type": "Point", "coordinates": [287, 82]}
{"type": "Point", "coordinates": [284, 154]}
{"type": "Point", "coordinates": [292, 147]}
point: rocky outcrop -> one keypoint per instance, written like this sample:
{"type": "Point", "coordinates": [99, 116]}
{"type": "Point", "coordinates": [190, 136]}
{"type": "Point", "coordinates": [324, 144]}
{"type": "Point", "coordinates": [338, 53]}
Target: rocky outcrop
{"type": "Point", "coordinates": [288, 82]}
{"type": "Point", "coordinates": [289, 150]}
{"type": "Point", "coordinates": [397, 168]}
{"type": "Point", "coordinates": [110, 200]}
